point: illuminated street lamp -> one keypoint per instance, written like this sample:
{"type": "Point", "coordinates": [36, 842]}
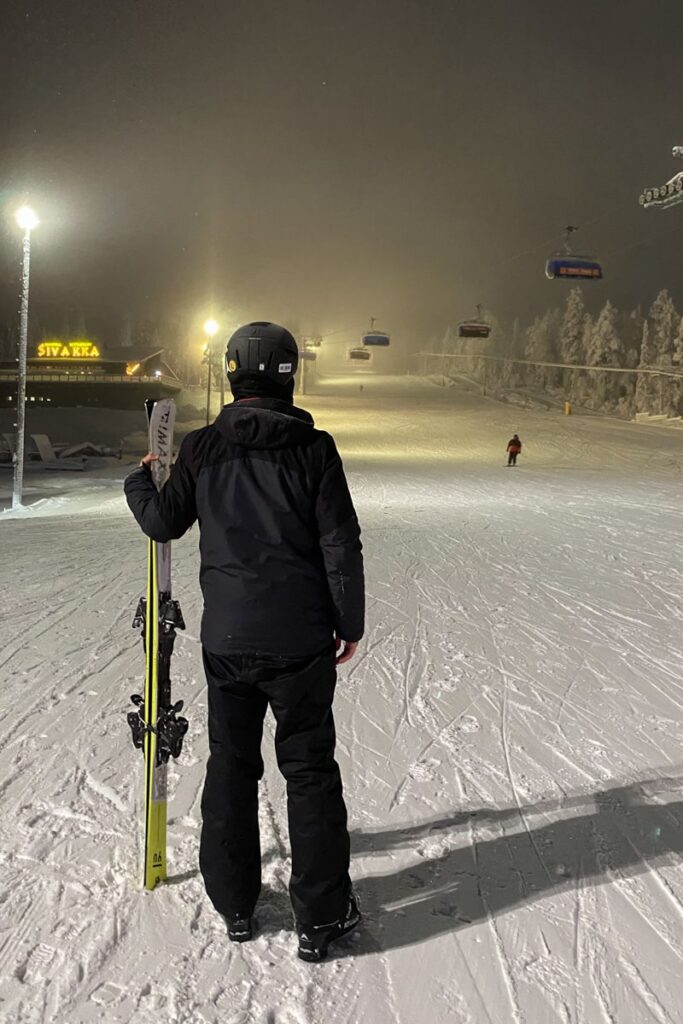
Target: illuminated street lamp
{"type": "Point", "coordinates": [211, 328]}
{"type": "Point", "coordinates": [27, 219]}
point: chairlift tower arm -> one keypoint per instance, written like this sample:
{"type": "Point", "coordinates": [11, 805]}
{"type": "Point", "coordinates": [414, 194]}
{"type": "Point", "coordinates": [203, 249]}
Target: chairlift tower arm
{"type": "Point", "coordinates": [667, 195]}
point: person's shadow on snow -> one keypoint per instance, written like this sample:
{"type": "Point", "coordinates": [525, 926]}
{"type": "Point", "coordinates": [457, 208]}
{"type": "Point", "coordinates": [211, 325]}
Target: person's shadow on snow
{"type": "Point", "coordinates": [626, 833]}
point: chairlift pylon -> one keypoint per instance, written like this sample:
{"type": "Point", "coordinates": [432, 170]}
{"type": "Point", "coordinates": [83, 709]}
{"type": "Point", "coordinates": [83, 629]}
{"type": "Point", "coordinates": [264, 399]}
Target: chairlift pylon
{"type": "Point", "coordinates": [669, 194]}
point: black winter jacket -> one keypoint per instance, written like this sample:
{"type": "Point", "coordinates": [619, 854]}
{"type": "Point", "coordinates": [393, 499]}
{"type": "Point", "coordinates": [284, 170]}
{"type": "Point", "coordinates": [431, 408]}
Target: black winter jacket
{"type": "Point", "coordinates": [281, 562]}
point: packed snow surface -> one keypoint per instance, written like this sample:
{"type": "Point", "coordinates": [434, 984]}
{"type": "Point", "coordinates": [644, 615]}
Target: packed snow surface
{"type": "Point", "coordinates": [510, 736]}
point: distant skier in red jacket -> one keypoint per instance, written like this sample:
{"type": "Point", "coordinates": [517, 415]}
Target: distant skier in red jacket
{"type": "Point", "coordinates": [513, 450]}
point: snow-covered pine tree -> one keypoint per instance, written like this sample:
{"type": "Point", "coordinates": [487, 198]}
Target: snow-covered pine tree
{"type": "Point", "coordinates": [678, 345]}
{"type": "Point", "coordinates": [516, 343]}
{"type": "Point", "coordinates": [677, 388]}
{"type": "Point", "coordinates": [630, 327]}
{"type": "Point", "coordinates": [582, 379]}
{"type": "Point", "coordinates": [535, 350]}
{"type": "Point", "coordinates": [542, 347]}
{"type": "Point", "coordinates": [553, 375]}
{"type": "Point", "coordinates": [571, 340]}
{"type": "Point", "coordinates": [630, 330]}
{"type": "Point", "coordinates": [605, 349]}
{"type": "Point", "coordinates": [664, 323]}
{"type": "Point", "coordinates": [644, 391]}
{"type": "Point", "coordinates": [658, 395]}
{"type": "Point", "coordinates": [571, 329]}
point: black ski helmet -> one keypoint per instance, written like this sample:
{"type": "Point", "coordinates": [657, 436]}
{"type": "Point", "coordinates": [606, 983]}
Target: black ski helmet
{"type": "Point", "coordinates": [262, 347]}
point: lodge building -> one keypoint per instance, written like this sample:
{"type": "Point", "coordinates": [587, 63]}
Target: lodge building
{"type": "Point", "coordinates": [81, 372]}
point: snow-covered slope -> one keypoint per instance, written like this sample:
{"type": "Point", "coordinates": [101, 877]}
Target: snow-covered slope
{"type": "Point", "coordinates": [510, 736]}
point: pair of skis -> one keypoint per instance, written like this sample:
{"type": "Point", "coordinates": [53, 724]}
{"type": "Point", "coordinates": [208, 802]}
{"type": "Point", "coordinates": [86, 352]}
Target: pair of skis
{"type": "Point", "coordinates": [156, 725]}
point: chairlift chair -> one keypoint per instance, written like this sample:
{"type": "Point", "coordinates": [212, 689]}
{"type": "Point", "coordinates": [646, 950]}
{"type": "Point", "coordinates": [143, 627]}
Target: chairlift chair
{"type": "Point", "coordinates": [375, 337]}
{"type": "Point", "coordinates": [571, 265]}
{"type": "Point", "coordinates": [475, 328]}
{"type": "Point", "coordinates": [359, 355]}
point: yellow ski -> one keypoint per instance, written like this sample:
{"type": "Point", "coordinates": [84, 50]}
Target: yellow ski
{"type": "Point", "coordinates": [156, 726]}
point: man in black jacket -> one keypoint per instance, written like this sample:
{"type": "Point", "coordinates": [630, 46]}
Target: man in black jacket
{"type": "Point", "coordinates": [282, 579]}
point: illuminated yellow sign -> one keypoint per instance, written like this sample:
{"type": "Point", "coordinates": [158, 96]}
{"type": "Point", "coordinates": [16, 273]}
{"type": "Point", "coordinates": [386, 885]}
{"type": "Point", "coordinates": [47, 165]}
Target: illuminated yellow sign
{"type": "Point", "coordinates": [80, 348]}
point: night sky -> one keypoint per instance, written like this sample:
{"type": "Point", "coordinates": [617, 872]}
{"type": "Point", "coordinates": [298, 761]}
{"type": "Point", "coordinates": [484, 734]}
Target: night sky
{"type": "Point", "coordinates": [316, 163]}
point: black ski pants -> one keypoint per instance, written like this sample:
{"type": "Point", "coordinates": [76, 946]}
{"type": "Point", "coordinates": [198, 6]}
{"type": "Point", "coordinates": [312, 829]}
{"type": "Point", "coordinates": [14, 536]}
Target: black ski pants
{"type": "Point", "coordinates": [300, 694]}
{"type": "Point", "coordinates": [512, 458]}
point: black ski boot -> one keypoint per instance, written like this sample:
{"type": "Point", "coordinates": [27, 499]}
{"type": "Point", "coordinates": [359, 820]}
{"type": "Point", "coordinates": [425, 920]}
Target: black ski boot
{"type": "Point", "coordinates": [314, 939]}
{"type": "Point", "coordinates": [240, 929]}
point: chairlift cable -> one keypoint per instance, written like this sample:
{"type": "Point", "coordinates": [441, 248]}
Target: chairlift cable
{"type": "Point", "coordinates": [553, 239]}
{"type": "Point", "coordinates": [644, 241]}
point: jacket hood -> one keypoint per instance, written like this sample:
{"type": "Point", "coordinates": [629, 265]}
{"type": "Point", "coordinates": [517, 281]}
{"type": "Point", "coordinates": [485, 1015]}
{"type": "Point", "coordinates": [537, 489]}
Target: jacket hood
{"type": "Point", "coordinates": [265, 423]}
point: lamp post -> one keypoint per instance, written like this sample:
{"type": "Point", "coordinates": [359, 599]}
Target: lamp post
{"type": "Point", "coordinates": [27, 220]}
{"type": "Point", "coordinates": [210, 329]}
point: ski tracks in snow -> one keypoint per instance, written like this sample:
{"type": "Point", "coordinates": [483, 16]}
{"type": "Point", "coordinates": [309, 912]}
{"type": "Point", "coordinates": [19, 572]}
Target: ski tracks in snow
{"type": "Point", "coordinates": [519, 680]}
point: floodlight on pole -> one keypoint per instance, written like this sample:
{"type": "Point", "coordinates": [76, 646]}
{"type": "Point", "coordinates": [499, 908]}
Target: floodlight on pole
{"type": "Point", "coordinates": [211, 328]}
{"type": "Point", "coordinates": [27, 219]}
